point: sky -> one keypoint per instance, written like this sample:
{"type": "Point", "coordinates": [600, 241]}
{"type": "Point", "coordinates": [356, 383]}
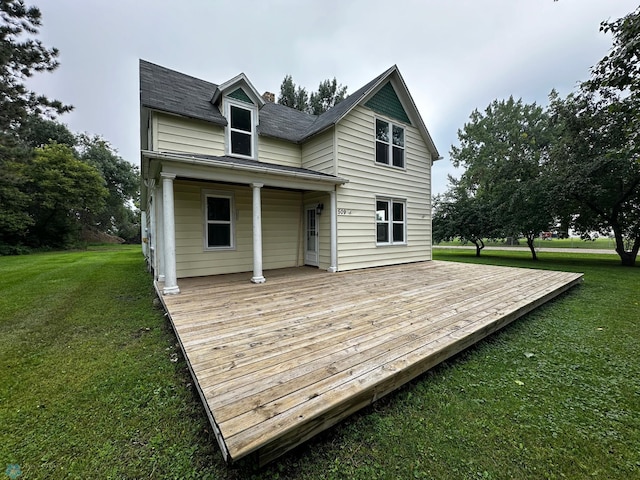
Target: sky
{"type": "Point", "coordinates": [455, 56]}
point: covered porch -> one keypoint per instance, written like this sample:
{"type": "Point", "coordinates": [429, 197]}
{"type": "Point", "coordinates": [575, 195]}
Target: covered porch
{"type": "Point", "coordinates": [207, 215]}
{"type": "Point", "coordinates": [279, 362]}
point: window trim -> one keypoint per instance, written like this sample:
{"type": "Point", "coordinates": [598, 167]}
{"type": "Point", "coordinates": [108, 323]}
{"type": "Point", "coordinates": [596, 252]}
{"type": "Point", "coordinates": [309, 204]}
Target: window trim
{"type": "Point", "coordinates": [232, 222]}
{"type": "Point", "coordinates": [231, 102]}
{"type": "Point", "coordinates": [390, 222]}
{"type": "Point", "coordinates": [389, 144]}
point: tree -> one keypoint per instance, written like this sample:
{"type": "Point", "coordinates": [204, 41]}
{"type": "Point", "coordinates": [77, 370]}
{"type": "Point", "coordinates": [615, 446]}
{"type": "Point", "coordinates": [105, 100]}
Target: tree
{"type": "Point", "coordinates": [14, 202]}
{"type": "Point", "coordinates": [293, 97]}
{"type": "Point", "coordinates": [503, 150]}
{"type": "Point", "coordinates": [328, 95]}
{"type": "Point", "coordinates": [596, 157]}
{"type": "Point", "coordinates": [37, 132]}
{"type": "Point", "coordinates": [458, 213]}
{"type": "Point", "coordinates": [20, 59]}
{"type": "Point", "coordinates": [595, 163]}
{"type": "Point", "coordinates": [65, 194]}
{"type": "Point", "coordinates": [122, 182]}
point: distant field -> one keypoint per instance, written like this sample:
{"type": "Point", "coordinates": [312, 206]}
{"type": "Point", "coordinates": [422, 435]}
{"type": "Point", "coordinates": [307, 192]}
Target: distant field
{"type": "Point", "coordinates": [93, 386]}
{"type": "Point", "coordinates": [599, 243]}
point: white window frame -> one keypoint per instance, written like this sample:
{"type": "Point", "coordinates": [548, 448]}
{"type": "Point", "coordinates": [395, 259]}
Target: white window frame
{"type": "Point", "coordinates": [390, 221]}
{"type": "Point", "coordinates": [229, 102]}
{"type": "Point", "coordinates": [390, 144]}
{"type": "Point", "coordinates": [232, 219]}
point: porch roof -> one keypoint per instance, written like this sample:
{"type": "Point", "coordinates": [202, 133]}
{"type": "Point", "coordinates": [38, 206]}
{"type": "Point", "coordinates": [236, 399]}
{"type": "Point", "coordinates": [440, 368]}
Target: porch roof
{"type": "Point", "coordinates": [238, 170]}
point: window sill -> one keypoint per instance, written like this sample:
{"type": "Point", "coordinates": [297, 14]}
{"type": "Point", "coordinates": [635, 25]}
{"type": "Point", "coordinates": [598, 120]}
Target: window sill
{"type": "Point", "coordinates": [380, 164]}
{"type": "Point", "coordinates": [219, 249]}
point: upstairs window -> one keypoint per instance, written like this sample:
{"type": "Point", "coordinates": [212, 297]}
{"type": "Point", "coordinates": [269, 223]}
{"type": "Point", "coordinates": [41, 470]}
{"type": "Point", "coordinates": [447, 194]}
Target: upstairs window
{"type": "Point", "coordinates": [218, 221]}
{"type": "Point", "coordinates": [389, 144]}
{"type": "Point", "coordinates": [391, 225]}
{"type": "Point", "coordinates": [241, 131]}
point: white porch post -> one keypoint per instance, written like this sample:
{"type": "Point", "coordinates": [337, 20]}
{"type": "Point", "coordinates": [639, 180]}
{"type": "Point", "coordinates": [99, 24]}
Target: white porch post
{"type": "Point", "coordinates": [169, 227]}
{"type": "Point", "coordinates": [333, 250]}
{"type": "Point", "coordinates": [257, 234]}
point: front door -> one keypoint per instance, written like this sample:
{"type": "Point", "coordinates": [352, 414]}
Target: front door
{"type": "Point", "coordinates": [311, 236]}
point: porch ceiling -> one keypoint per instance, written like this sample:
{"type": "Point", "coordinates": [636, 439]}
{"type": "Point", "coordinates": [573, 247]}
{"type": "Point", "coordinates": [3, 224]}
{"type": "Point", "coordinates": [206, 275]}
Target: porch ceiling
{"type": "Point", "coordinates": [279, 362]}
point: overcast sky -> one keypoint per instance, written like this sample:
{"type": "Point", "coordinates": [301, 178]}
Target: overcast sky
{"type": "Point", "coordinates": [455, 56]}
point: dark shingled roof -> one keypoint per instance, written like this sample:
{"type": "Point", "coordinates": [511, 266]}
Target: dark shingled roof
{"type": "Point", "coordinates": [174, 92]}
{"type": "Point", "coordinates": [283, 122]}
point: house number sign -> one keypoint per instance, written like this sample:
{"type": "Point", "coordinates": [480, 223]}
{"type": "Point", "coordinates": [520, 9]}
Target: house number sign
{"type": "Point", "coordinates": [344, 211]}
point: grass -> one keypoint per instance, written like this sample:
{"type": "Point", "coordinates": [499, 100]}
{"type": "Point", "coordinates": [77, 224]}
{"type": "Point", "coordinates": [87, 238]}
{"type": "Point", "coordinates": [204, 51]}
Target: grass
{"type": "Point", "coordinates": [92, 386]}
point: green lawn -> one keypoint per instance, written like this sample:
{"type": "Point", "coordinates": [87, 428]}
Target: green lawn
{"type": "Point", "coordinates": [91, 386]}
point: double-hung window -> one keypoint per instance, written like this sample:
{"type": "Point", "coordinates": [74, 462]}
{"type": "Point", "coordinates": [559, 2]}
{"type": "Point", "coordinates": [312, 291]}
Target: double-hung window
{"type": "Point", "coordinates": [219, 224]}
{"type": "Point", "coordinates": [241, 130]}
{"type": "Point", "coordinates": [391, 224]}
{"type": "Point", "coordinates": [389, 143]}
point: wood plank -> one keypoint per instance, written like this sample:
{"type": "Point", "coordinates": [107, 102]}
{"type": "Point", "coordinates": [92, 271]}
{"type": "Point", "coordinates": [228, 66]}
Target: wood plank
{"type": "Point", "coordinates": [279, 362]}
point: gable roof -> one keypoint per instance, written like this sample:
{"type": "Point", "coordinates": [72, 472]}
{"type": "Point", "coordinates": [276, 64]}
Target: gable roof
{"type": "Point", "coordinates": [174, 92]}
{"type": "Point", "coordinates": [236, 82]}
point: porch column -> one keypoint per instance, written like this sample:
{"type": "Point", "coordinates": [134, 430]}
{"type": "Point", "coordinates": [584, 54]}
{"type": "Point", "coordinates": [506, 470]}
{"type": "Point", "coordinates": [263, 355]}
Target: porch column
{"type": "Point", "coordinates": [169, 230]}
{"type": "Point", "coordinates": [333, 249]}
{"type": "Point", "coordinates": [257, 234]}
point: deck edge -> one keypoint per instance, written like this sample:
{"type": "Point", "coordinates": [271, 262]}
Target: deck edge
{"type": "Point", "coordinates": [295, 436]}
{"type": "Point", "coordinates": [216, 429]}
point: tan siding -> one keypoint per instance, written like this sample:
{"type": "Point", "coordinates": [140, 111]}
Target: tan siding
{"type": "Point", "coordinates": [317, 153]}
{"type": "Point", "coordinates": [177, 134]}
{"type": "Point", "coordinates": [271, 150]}
{"type": "Point", "coordinates": [280, 230]}
{"type": "Point", "coordinates": [367, 180]}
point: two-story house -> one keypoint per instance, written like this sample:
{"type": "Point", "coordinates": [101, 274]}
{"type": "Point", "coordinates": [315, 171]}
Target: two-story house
{"type": "Point", "coordinates": [232, 182]}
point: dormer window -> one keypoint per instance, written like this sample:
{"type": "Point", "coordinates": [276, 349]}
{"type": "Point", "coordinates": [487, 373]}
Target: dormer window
{"type": "Point", "coordinates": [241, 129]}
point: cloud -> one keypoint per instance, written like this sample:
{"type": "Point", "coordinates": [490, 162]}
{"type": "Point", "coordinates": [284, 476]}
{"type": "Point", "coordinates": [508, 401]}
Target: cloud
{"type": "Point", "coordinates": [455, 56]}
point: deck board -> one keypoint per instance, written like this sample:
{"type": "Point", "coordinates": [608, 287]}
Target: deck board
{"type": "Point", "coordinates": [277, 363]}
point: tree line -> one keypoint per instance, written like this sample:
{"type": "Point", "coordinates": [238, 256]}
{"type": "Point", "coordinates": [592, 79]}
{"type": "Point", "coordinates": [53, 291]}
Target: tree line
{"type": "Point", "coordinates": [574, 163]}
{"type": "Point", "coordinates": [57, 188]}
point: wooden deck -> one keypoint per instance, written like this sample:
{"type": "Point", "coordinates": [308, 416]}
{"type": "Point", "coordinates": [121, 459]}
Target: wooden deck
{"type": "Point", "coordinates": [279, 362]}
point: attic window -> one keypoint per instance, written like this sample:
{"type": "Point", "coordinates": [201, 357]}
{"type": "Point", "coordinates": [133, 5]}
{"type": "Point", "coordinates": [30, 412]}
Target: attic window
{"type": "Point", "coordinates": [241, 131]}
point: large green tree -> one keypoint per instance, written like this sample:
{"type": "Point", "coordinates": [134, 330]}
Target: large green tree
{"type": "Point", "coordinates": [21, 56]}
{"type": "Point", "coordinates": [503, 150]}
{"type": "Point", "coordinates": [66, 194]}
{"type": "Point", "coordinates": [120, 216]}
{"type": "Point", "coordinates": [596, 156]}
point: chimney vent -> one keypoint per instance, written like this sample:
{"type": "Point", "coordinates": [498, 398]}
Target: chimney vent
{"type": "Point", "coordinates": [269, 97]}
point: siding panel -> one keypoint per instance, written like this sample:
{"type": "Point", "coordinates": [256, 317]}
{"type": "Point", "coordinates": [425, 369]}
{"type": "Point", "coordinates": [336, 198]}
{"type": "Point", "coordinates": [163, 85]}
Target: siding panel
{"type": "Point", "coordinates": [176, 134]}
{"type": "Point", "coordinates": [367, 180]}
{"type": "Point", "coordinates": [271, 150]}
{"type": "Point", "coordinates": [317, 153]}
{"type": "Point", "coordinates": [281, 219]}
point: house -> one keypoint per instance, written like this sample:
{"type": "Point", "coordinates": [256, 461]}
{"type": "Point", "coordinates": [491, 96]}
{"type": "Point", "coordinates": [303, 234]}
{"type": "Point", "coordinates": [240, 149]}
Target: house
{"type": "Point", "coordinates": [232, 182]}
